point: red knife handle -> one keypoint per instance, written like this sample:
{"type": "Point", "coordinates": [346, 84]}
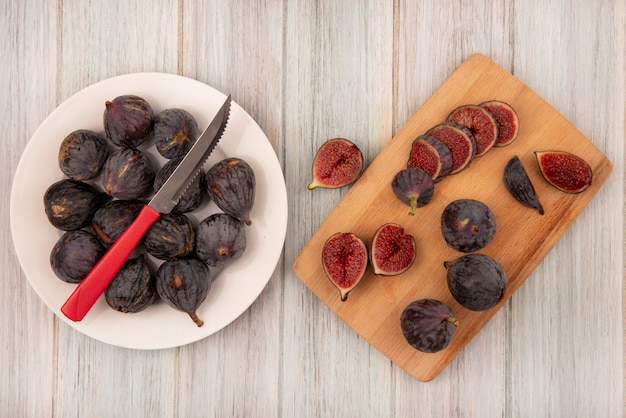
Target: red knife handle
{"type": "Point", "coordinates": [93, 285]}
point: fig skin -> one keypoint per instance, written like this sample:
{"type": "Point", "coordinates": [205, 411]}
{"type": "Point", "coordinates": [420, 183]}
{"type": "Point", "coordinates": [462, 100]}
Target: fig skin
{"type": "Point", "coordinates": [476, 281]}
{"type": "Point", "coordinates": [518, 183]}
{"type": "Point", "coordinates": [171, 237]}
{"type": "Point", "coordinates": [507, 120]}
{"type": "Point", "coordinates": [232, 186]}
{"type": "Point", "coordinates": [82, 154]}
{"type": "Point", "coordinates": [337, 163]}
{"type": "Point", "coordinates": [344, 258]}
{"type": "Point", "coordinates": [459, 140]}
{"type": "Point", "coordinates": [175, 132]}
{"type": "Point", "coordinates": [128, 174]}
{"type": "Point", "coordinates": [113, 218]}
{"type": "Point", "coordinates": [220, 240]}
{"type": "Point", "coordinates": [71, 204]}
{"type": "Point", "coordinates": [184, 284]}
{"type": "Point", "coordinates": [431, 155]}
{"type": "Point", "coordinates": [480, 123]}
{"type": "Point", "coordinates": [74, 255]}
{"type": "Point", "coordinates": [392, 251]}
{"type": "Point", "coordinates": [467, 225]}
{"type": "Point", "coordinates": [128, 120]}
{"type": "Point", "coordinates": [565, 171]}
{"type": "Point", "coordinates": [414, 187]}
{"type": "Point", "coordinates": [194, 194]}
{"type": "Point", "coordinates": [428, 325]}
{"type": "Point", "coordinates": [133, 288]}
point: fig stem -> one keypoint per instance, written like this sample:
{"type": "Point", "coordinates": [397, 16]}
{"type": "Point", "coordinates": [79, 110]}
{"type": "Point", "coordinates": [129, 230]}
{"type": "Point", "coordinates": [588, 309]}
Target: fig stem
{"type": "Point", "coordinates": [199, 322]}
{"type": "Point", "coordinates": [453, 321]}
{"type": "Point", "coordinates": [413, 205]}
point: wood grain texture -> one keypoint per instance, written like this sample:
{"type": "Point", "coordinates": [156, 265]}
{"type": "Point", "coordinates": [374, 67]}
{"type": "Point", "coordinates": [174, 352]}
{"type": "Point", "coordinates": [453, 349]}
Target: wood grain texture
{"type": "Point", "coordinates": [307, 71]}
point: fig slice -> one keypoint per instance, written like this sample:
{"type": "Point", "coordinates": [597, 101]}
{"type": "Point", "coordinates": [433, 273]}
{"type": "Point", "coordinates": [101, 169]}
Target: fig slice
{"type": "Point", "coordinates": [506, 119]}
{"type": "Point", "coordinates": [518, 183]}
{"type": "Point", "coordinates": [414, 187]}
{"type": "Point", "coordinates": [338, 163]}
{"type": "Point", "coordinates": [480, 123]}
{"type": "Point", "coordinates": [344, 258]}
{"type": "Point", "coordinates": [428, 325]}
{"type": "Point", "coordinates": [567, 172]}
{"type": "Point", "coordinates": [431, 155]}
{"type": "Point", "coordinates": [392, 251]}
{"type": "Point", "coordinates": [459, 141]}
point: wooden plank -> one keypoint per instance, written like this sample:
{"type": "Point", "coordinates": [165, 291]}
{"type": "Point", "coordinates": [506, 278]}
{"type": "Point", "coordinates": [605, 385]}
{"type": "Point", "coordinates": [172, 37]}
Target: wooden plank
{"type": "Point", "coordinates": [523, 237]}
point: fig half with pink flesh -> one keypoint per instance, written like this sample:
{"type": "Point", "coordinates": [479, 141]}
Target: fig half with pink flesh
{"type": "Point", "coordinates": [414, 187]}
{"type": "Point", "coordinates": [431, 155]}
{"type": "Point", "coordinates": [344, 258]}
{"type": "Point", "coordinates": [506, 119]}
{"type": "Point", "coordinates": [392, 251]}
{"type": "Point", "coordinates": [459, 141]}
{"type": "Point", "coordinates": [480, 123]}
{"type": "Point", "coordinates": [338, 163]}
{"type": "Point", "coordinates": [565, 171]}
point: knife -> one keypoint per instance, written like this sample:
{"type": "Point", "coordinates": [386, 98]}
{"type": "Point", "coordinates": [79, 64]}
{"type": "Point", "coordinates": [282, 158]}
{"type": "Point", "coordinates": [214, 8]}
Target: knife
{"type": "Point", "coordinates": [94, 284]}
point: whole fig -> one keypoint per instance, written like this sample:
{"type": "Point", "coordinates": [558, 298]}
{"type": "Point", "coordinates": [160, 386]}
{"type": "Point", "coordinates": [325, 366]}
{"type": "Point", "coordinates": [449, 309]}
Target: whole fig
{"type": "Point", "coordinates": [128, 174]}
{"type": "Point", "coordinates": [477, 281]}
{"type": "Point", "coordinates": [184, 284]}
{"type": "Point", "coordinates": [175, 131]}
{"type": "Point", "coordinates": [220, 240]}
{"type": "Point", "coordinates": [414, 187]}
{"type": "Point", "coordinates": [82, 154]}
{"type": "Point", "coordinates": [128, 120]}
{"type": "Point", "coordinates": [172, 236]}
{"type": "Point", "coordinates": [113, 218]}
{"type": "Point", "coordinates": [428, 325]}
{"type": "Point", "coordinates": [232, 186]}
{"type": "Point", "coordinates": [70, 204]}
{"type": "Point", "coordinates": [133, 289]}
{"type": "Point", "coordinates": [467, 225]}
{"type": "Point", "coordinates": [74, 255]}
{"type": "Point", "coordinates": [195, 193]}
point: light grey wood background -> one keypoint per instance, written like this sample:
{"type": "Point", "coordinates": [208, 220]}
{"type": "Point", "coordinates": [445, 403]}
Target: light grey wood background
{"type": "Point", "coordinates": [308, 71]}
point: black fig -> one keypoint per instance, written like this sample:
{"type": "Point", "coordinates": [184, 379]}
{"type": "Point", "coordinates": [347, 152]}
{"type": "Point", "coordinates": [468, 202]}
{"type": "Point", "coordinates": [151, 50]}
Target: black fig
{"type": "Point", "coordinates": [220, 240]}
{"type": "Point", "coordinates": [459, 141]}
{"type": "Point", "coordinates": [518, 183]}
{"type": "Point", "coordinates": [344, 258]}
{"type": "Point", "coordinates": [565, 171]}
{"type": "Point", "coordinates": [428, 325]}
{"type": "Point", "coordinates": [195, 192]}
{"type": "Point", "coordinates": [74, 255]}
{"type": "Point", "coordinates": [128, 174]}
{"type": "Point", "coordinates": [480, 123]}
{"type": "Point", "coordinates": [171, 237]}
{"type": "Point", "coordinates": [128, 120]}
{"type": "Point", "coordinates": [133, 289]}
{"type": "Point", "coordinates": [392, 251]}
{"type": "Point", "coordinates": [113, 218]}
{"type": "Point", "coordinates": [414, 187]}
{"type": "Point", "coordinates": [184, 284]}
{"type": "Point", "coordinates": [338, 163]}
{"type": "Point", "coordinates": [476, 281]}
{"type": "Point", "coordinates": [467, 225]}
{"type": "Point", "coordinates": [431, 155]}
{"type": "Point", "coordinates": [506, 119]}
{"type": "Point", "coordinates": [175, 131]}
{"type": "Point", "coordinates": [70, 204]}
{"type": "Point", "coordinates": [232, 186]}
{"type": "Point", "coordinates": [82, 154]}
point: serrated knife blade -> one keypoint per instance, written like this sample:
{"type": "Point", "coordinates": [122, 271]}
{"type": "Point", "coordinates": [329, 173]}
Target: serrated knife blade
{"type": "Point", "coordinates": [93, 285]}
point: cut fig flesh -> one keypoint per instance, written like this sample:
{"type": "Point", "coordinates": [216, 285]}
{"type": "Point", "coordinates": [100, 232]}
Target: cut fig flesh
{"type": "Point", "coordinates": [506, 118]}
{"type": "Point", "coordinates": [459, 141]}
{"type": "Point", "coordinates": [518, 183]}
{"type": "Point", "coordinates": [414, 187]}
{"type": "Point", "coordinates": [344, 258]}
{"type": "Point", "coordinates": [480, 123]}
{"type": "Point", "coordinates": [431, 155]}
{"type": "Point", "coordinates": [392, 251]}
{"type": "Point", "coordinates": [565, 171]}
{"type": "Point", "coordinates": [338, 162]}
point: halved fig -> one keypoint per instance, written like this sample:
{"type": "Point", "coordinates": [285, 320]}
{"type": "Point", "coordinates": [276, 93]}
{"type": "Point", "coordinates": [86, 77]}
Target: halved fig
{"type": "Point", "coordinates": [480, 123]}
{"type": "Point", "coordinates": [344, 258]}
{"type": "Point", "coordinates": [431, 155]}
{"type": "Point", "coordinates": [506, 118]}
{"type": "Point", "coordinates": [414, 187]}
{"type": "Point", "coordinates": [518, 183]}
{"type": "Point", "coordinates": [392, 251]}
{"type": "Point", "coordinates": [338, 163]}
{"type": "Point", "coordinates": [567, 172]}
{"type": "Point", "coordinates": [459, 141]}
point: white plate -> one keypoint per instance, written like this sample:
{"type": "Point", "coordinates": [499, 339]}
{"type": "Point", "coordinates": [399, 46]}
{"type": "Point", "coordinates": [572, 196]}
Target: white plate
{"type": "Point", "coordinates": [233, 290]}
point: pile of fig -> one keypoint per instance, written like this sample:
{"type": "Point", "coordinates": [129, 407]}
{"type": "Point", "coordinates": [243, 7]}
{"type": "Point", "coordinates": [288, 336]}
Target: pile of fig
{"type": "Point", "coordinates": [109, 179]}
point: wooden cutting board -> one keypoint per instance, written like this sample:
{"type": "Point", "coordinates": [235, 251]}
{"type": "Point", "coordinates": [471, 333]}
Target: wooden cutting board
{"type": "Point", "coordinates": [523, 236]}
